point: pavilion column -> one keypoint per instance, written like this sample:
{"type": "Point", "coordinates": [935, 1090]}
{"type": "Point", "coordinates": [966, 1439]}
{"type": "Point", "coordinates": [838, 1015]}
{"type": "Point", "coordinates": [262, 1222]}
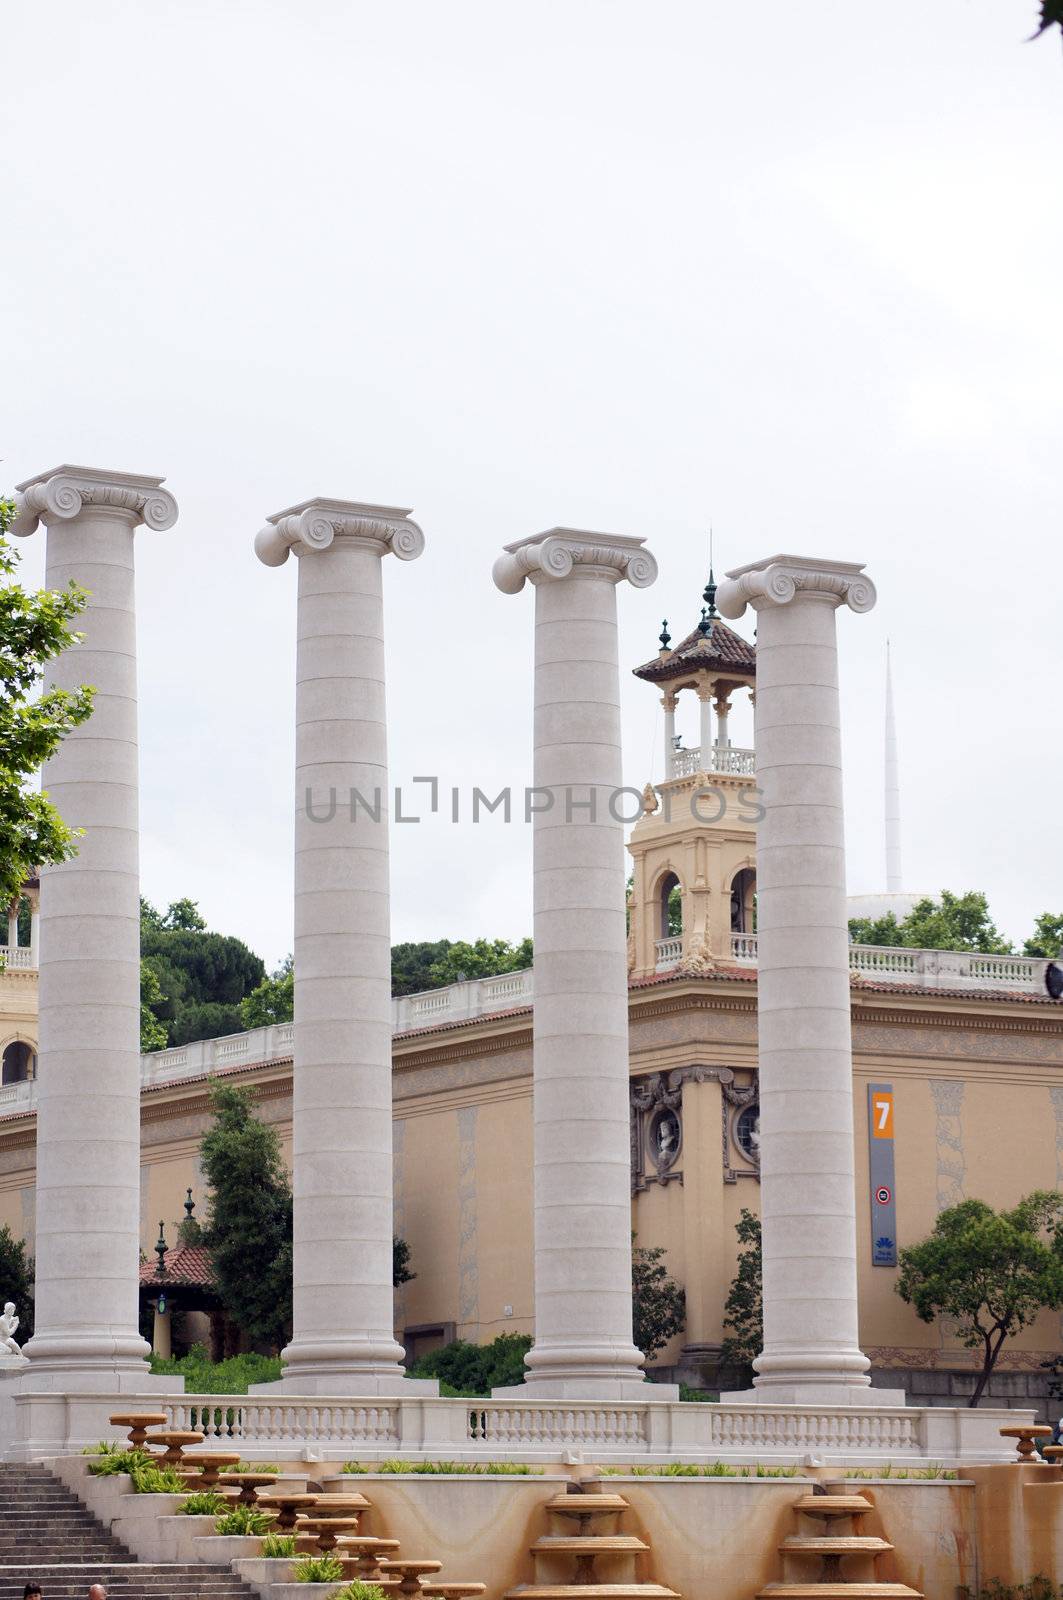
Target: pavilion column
{"type": "Point", "coordinates": [88, 1109]}
{"type": "Point", "coordinates": [705, 715]}
{"type": "Point", "coordinates": [12, 927]}
{"type": "Point", "coordinates": [668, 701]}
{"type": "Point", "coordinates": [808, 1202]}
{"type": "Point", "coordinates": [343, 1339]}
{"type": "Point", "coordinates": [723, 707]}
{"type": "Point", "coordinates": [583, 1346]}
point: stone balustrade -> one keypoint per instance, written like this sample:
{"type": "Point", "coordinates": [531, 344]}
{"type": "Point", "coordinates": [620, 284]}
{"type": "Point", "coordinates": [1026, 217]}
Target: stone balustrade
{"type": "Point", "coordinates": [424, 1427]}
{"type": "Point", "coordinates": [732, 760]}
{"type": "Point", "coordinates": [18, 957]}
{"type": "Point", "coordinates": [669, 953]}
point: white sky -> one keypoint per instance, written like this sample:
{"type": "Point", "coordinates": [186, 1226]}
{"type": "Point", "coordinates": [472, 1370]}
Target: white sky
{"type": "Point", "coordinates": [794, 270]}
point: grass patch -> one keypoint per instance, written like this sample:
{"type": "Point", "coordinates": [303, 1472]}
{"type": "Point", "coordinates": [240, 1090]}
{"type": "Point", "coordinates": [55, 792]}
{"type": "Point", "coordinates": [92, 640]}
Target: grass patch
{"type": "Point", "coordinates": [318, 1569]}
{"type": "Point", "coordinates": [255, 1466]}
{"type": "Point", "coordinates": [275, 1546]}
{"type": "Point", "coordinates": [913, 1474]}
{"type": "Point", "coordinates": [246, 1521]}
{"type": "Point", "coordinates": [459, 1469]}
{"type": "Point", "coordinates": [359, 1591]}
{"type": "Point", "coordinates": [204, 1503]}
{"type": "Point", "coordinates": [711, 1469]}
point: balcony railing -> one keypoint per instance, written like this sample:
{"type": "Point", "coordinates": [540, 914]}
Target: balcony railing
{"type": "Point", "coordinates": [730, 760]}
{"type": "Point", "coordinates": [18, 958]}
{"type": "Point", "coordinates": [669, 953]}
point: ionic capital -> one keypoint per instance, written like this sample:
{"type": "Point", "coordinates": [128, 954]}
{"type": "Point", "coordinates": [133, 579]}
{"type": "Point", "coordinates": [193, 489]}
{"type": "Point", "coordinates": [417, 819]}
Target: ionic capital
{"type": "Point", "coordinates": [780, 580]}
{"type": "Point", "coordinates": [316, 524]}
{"type": "Point", "coordinates": [61, 495]}
{"type": "Point", "coordinates": [564, 552]}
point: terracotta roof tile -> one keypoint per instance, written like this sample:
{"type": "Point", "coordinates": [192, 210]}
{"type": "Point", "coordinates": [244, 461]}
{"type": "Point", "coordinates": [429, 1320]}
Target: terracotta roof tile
{"type": "Point", "coordinates": [185, 1263]}
{"type": "Point", "coordinates": [720, 650]}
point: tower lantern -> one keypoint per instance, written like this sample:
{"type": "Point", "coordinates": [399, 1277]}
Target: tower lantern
{"type": "Point", "coordinates": [692, 901]}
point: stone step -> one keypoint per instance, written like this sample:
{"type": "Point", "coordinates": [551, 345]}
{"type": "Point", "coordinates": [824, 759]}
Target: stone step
{"type": "Point", "coordinates": [587, 1505]}
{"type": "Point", "coordinates": [588, 1544]}
{"type": "Point", "coordinates": [838, 1591]}
{"type": "Point", "coordinates": [838, 1545]}
{"type": "Point", "coordinates": [833, 1505]}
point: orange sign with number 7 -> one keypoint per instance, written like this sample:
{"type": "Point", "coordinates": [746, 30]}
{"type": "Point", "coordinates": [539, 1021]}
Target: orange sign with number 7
{"type": "Point", "coordinates": [882, 1115]}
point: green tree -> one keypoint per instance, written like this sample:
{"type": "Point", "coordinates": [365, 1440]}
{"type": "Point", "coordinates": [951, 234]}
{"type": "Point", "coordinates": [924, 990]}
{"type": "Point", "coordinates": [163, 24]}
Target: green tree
{"type": "Point", "coordinates": [483, 959]}
{"type": "Point", "coordinates": [955, 922]}
{"type": "Point", "coordinates": [35, 628]}
{"type": "Point", "coordinates": [400, 1263]}
{"type": "Point", "coordinates": [658, 1302]}
{"type": "Point", "coordinates": [411, 965]}
{"type": "Point", "coordinates": [248, 1228]}
{"type": "Point", "coordinates": [152, 1031]}
{"type": "Point", "coordinates": [475, 1369]}
{"type": "Point", "coordinates": [273, 1000]}
{"type": "Point", "coordinates": [203, 976]}
{"type": "Point", "coordinates": [993, 1272]}
{"type": "Point", "coordinates": [743, 1310]}
{"type": "Point", "coordinates": [16, 1280]}
{"type": "Point", "coordinates": [1047, 937]}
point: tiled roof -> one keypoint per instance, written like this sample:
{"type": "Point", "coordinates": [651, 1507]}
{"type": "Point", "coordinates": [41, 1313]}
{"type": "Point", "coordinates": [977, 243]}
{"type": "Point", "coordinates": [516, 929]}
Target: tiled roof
{"type": "Point", "coordinates": [185, 1263]}
{"type": "Point", "coordinates": [718, 650]}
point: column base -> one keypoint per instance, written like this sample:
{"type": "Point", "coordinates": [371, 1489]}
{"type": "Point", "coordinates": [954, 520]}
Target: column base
{"type": "Point", "coordinates": [593, 1390]}
{"type": "Point", "coordinates": [811, 1393]}
{"type": "Point", "coordinates": [344, 1383]}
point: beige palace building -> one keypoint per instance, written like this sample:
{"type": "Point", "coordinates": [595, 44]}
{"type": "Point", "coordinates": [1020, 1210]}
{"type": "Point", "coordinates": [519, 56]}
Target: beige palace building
{"type": "Point", "coordinates": [957, 1062]}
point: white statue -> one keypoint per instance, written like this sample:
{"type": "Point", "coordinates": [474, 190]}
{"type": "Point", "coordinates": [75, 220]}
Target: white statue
{"type": "Point", "coordinates": [8, 1324]}
{"type": "Point", "coordinates": [667, 1138]}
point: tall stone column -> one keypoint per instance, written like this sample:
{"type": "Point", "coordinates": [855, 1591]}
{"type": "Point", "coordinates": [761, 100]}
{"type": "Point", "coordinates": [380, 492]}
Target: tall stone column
{"type": "Point", "coordinates": [583, 1347]}
{"type": "Point", "coordinates": [343, 1340]}
{"type": "Point", "coordinates": [808, 1200]}
{"type": "Point", "coordinates": [88, 1108]}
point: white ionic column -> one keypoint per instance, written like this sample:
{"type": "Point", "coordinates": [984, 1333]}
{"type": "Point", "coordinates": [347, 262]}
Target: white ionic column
{"type": "Point", "coordinates": [808, 1201]}
{"type": "Point", "coordinates": [88, 1108]}
{"type": "Point", "coordinates": [12, 929]}
{"type": "Point", "coordinates": [704, 693]}
{"type": "Point", "coordinates": [583, 1347]}
{"type": "Point", "coordinates": [668, 702]}
{"type": "Point", "coordinates": [343, 1339]}
{"type": "Point", "coordinates": [723, 707]}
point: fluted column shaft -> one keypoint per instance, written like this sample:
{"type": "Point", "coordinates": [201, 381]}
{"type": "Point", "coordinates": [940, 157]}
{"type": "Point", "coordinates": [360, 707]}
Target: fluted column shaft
{"type": "Point", "coordinates": [808, 1201]}
{"type": "Point", "coordinates": [88, 1108]}
{"type": "Point", "coordinates": [343, 1338]}
{"type": "Point", "coordinates": [583, 1344]}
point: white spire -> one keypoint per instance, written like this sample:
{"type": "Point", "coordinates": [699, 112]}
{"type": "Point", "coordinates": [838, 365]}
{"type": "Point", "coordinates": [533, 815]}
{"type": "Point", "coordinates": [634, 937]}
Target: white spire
{"type": "Point", "coordinates": [894, 875]}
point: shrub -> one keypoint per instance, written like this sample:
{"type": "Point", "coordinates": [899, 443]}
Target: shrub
{"type": "Point", "coordinates": [359, 1591]}
{"type": "Point", "coordinates": [473, 1370]}
{"type": "Point", "coordinates": [318, 1569]}
{"type": "Point", "coordinates": [204, 1503]}
{"type": "Point", "coordinates": [248, 1521]}
{"type": "Point", "coordinates": [255, 1466]}
{"type": "Point", "coordinates": [475, 1469]}
{"type": "Point", "coordinates": [204, 1376]}
{"type": "Point", "coordinates": [149, 1478]}
{"type": "Point", "coordinates": [275, 1546]}
{"type": "Point", "coordinates": [113, 1459]}
{"type": "Point", "coordinates": [712, 1469]}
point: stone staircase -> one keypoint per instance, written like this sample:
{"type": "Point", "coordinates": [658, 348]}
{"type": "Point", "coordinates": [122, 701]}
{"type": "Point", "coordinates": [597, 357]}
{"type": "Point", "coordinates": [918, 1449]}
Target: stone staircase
{"type": "Point", "coordinates": [48, 1537]}
{"type": "Point", "coordinates": [585, 1557]}
{"type": "Point", "coordinates": [845, 1560]}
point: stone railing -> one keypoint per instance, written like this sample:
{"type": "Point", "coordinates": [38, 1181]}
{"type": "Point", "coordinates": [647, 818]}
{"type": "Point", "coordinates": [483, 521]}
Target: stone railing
{"type": "Point", "coordinates": [669, 953]}
{"type": "Point", "coordinates": [744, 949]}
{"type": "Point", "coordinates": [265, 1426]}
{"type": "Point", "coordinates": [462, 1002]}
{"type": "Point", "coordinates": [18, 958]}
{"type": "Point", "coordinates": [731, 760]}
{"type": "Point", "coordinates": [207, 1055]}
{"type": "Point", "coordinates": [949, 969]}
{"type": "Point", "coordinates": [18, 1097]}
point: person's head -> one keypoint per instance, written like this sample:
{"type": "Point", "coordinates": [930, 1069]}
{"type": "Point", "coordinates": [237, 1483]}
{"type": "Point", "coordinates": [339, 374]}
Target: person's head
{"type": "Point", "coordinates": [32, 1591]}
{"type": "Point", "coordinates": [97, 1592]}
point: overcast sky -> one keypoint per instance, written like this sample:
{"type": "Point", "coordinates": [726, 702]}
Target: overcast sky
{"type": "Point", "coordinates": [793, 271]}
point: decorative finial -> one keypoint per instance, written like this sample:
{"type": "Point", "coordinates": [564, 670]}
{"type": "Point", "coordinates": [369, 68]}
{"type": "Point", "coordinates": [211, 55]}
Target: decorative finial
{"type": "Point", "coordinates": [160, 1250]}
{"type": "Point", "coordinates": [705, 625]}
{"type": "Point", "coordinates": [709, 595]}
{"type": "Point", "coordinates": [190, 1204]}
{"type": "Point", "coordinates": [666, 637]}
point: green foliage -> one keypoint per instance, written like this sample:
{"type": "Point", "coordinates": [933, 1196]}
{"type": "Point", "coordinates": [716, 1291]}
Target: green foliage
{"type": "Point", "coordinates": [204, 1503]}
{"type": "Point", "coordinates": [675, 911]}
{"type": "Point", "coordinates": [1047, 940]}
{"type": "Point", "coordinates": [150, 1478]}
{"type": "Point", "coordinates": [991, 1272]}
{"type": "Point", "coordinates": [112, 1459]}
{"type": "Point", "coordinates": [704, 1396]}
{"type": "Point", "coordinates": [411, 965]}
{"type": "Point", "coordinates": [34, 630]}
{"type": "Point", "coordinates": [450, 1469]}
{"type": "Point", "coordinates": [400, 1263]}
{"type": "Point", "coordinates": [317, 1569]}
{"type": "Point", "coordinates": [152, 1031]}
{"type": "Point", "coordinates": [955, 922]}
{"type": "Point", "coordinates": [249, 1215]}
{"type": "Point", "coordinates": [927, 1474]}
{"type": "Point", "coordinates": [1038, 1588]}
{"type": "Point", "coordinates": [743, 1310]}
{"type": "Point", "coordinates": [256, 1466]}
{"type": "Point", "coordinates": [475, 1369]}
{"type": "Point", "coordinates": [359, 1591]}
{"type": "Point", "coordinates": [273, 1000]}
{"type": "Point", "coordinates": [711, 1469]}
{"type": "Point", "coordinates": [16, 1278]}
{"type": "Point", "coordinates": [658, 1302]}
{"type": "Point", "coordinates": [232, 1376]}
{"type": "Point", "coordinates": [482, 959]}
{"type": "Point", "coordinates": [246, 1521]}
{"type": "Point", "coordinates": [276, 1546]}
{"type": "Point", "coordinates": [202, 976]}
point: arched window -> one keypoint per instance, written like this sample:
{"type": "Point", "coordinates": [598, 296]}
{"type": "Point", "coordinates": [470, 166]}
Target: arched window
{"type": "Point", "coordinates": [744, 901]}
{"type": "Point", "coordinates": [20, 1062]}
{"type": "Point", "coordinates": [670, 904]}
